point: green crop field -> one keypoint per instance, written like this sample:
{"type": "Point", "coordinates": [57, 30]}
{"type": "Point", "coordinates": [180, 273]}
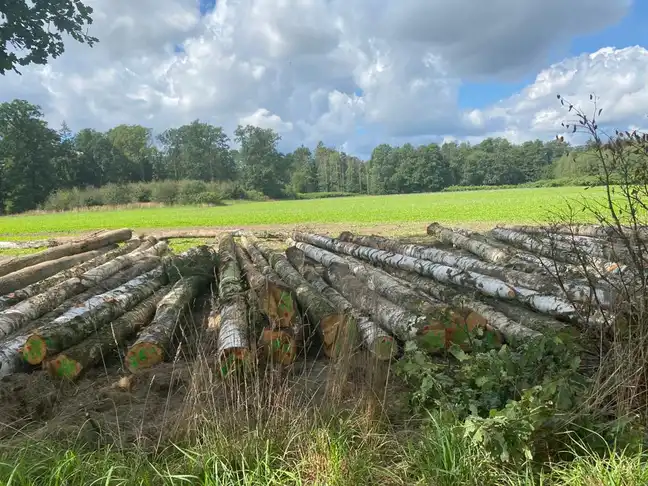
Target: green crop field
{"type": "Point", "coordinates": [486, 207]}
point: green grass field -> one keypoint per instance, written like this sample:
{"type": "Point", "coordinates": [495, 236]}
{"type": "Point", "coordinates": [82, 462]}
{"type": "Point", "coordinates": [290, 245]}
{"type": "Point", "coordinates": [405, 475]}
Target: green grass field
{"type": "Point", "coordinates": [487, 207]}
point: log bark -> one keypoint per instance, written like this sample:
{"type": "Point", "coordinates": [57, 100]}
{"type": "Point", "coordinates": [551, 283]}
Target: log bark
{"type": "Point", "coordinates": [231, 325]}
{"type": "Point", "coordinates": [275, 299]}
{"type": "Point", "coordinates": [489, 286]}
{"type": "Point", "coordinates": [322, 315]}
{"type": "Point", "coordinates": [400, 322]}
{"type": "Point", "coordinates": [513, 332]}
{"type": "Point", "coordinates": [21, 245]}
{"type": "Point", "coordinates": [591, 230]}
{"type": "Point", "coordinates": [74, 361]}
{"type": "Point", "coordinates": [393, 290]}
{"type": "Point", "coordinates": [120, 278]}
{"type": "Point", "coordinates": [479, 248]}
{"type": "Point", "coordinates": [229, 272]}
{"type": "Point", "coordinates": [555, 250]}
{"type": "Point", "coordinates": [73, 248]}
{"type": "Point", "coordinates": [80, 322]}
{"type": "Point", "coordinates": [442, 273]}
{"type": "Point", "coordinates": [374, 338]}
{"type": "Point", "coordinates": [36, 288]}
{"type": "Point", "coordinates": [29, 275]}
{"type": "Point", "coordinates": [12, 346]}
{"type": "Point", "coordinates": [199, 260]}
{"type": "Point", "coordinates": [576, 291]}
{"type": "Point", "coordinates": [153, 342]}
{"type": "Point", "coordinates": [17, 316]}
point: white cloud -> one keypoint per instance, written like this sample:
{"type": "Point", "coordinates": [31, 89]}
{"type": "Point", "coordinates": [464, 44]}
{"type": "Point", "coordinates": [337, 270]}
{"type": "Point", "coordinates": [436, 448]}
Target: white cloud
{"type": "Point", "coordinates": [354, 76]}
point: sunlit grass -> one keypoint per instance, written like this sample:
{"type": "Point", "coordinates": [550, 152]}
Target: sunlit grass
{"type": "Point", "coordinates": [501, 206]}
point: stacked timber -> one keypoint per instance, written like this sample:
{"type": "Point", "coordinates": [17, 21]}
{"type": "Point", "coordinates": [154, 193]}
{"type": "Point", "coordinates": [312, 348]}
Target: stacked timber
{"type": "Point", "coordinates": [81, 304]}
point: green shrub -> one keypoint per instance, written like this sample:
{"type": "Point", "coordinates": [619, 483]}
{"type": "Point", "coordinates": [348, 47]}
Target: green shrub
{"type": "Point", "coordinates": [91, 196]}
{"type": "Point", "coordinates": [63, 200]}
{"type": "Point", "coordinates": [323, 195]}
{"type": "Point", "coordinates": [188, 190]}
{"type": "Point", "coordinates": [227, 189]}
{"type": "Point", "coordinates": [164, 192]}
{"type": "Point", "coordinates": [142, 192]}
{"type": "Point", "coordinates": [116, 194]}
{"type": "Point", "coordinates": [209, 198]}
{"type": "Point", "coordinates": [252, 195]}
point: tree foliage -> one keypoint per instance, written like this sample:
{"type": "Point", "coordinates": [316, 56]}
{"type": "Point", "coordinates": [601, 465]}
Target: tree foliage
{"type": "Point", "coordinates": [31, 32]}
{"type": "Point", "coordinates": [36, 160]}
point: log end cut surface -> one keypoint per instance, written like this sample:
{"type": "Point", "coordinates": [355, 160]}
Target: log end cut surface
{"type": "Point", "coordinates": [143, 355]}
{"type": "Point", "coordinates": [279, 346]}
{"type": "Point", "coordinates": [235, 360]}
{"type": "Point", "coordinates": [35, 349]}
{"type": "Point", "coordinates": [63, 367]}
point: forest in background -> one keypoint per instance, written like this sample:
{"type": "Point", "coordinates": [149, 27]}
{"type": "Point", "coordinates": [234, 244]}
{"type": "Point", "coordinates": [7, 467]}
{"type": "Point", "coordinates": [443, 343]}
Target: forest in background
{"type": "Point", "coordinates": [48, 168]}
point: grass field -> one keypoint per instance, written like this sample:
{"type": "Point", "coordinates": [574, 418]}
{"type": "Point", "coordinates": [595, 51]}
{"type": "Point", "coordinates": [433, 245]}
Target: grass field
{"type": "Point", "coordinates": [476, 207]}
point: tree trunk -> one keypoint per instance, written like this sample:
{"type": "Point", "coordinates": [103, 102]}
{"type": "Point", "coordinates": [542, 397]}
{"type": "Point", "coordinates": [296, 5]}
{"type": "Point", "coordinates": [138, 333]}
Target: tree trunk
{"type": "Point", "coordinates": [556, 250]}
{"type": "Point", "coordinates": [21, 245]}
{"type": "Point", "coordinates": [576, 291]}
{"type": "Point", "coordinates": [17, 316]}
{"type": "Point", "coordinates": [275, 297]}
{"type": "Point", "coordinates": [390, 288]}
{"type": "Point", "coordinates": [26, 276]}
{"type": "Point", "coordinates": [442, 273]}
{"type": "Point", "coordinates": [68, 249]}
{"type": "Point", "coordinates": [591, 230]}
{"type": "Point", "coordinates": [154, 341]}
{"type": "Point", "coordinates": [74, 361]}
{"type": "Point", "coordinates": [230, 323]}
{"type": "Point", "coordinates": [79, 322]}
{"type": "Point", "coordinates": [36, 288]}
{"type": "Point", "coordinates": [321, 313]}
{"type": "Point", "coordinates": [229, 272]}
{"type": "Point", "coordinates": [198, 261]}
{"type": "Point", "coordinates": [120, 278]}
{"type": "Point", "coordinates": [375, 339]}
{"type": "Point", "coordinates": [483, 250]}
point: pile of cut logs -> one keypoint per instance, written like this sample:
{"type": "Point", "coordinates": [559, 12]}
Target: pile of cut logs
{"type": "Point", "coordinates": [79, 304]}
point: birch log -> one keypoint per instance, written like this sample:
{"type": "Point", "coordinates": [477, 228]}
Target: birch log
{"type": "Point", "coordinates": [438, 314]}
{"type": "Point", "coordinates": [594, 231]}
{"type": "Point", "coordinates": [20, 245]}
{"type": "Point", "coordinates": [154, 341]}
{"type": "Point", "coordinates": [556, 250]}
{"type": "Point", "coordinates": [36, 288]}
{"type": "Point", "coordinates": [80, 322]}
{"type": "Point", "coordinates": [120, 278]}
{"type": "Point", "coordinates": [17, 316]}
{"type": "Point", "coordinates": [442, 273]}
{"type": "Point", "coordinates": [479, 248]}
{"type": "Point", "coordinates": [577, 291]}
{"type": "Point", "coordinates": [29, 275]}
{"type": "Point", "coordinates": [74, 361]}
{"type": "Point", "coordinates": [284, 337]}
{"type": "Point", "coordinates": [73, 248]}
{"type": "Point", "coordinates": [199, 260]}
{"type": "Point", "coordinates": [321, 313]}
{"type": "Point", "coordinates": [231, 326]}
{"type": "Point", "coordinates": [229, 320]}
{"type": "Point", "coordinates": [374, 338]}
{"type": "Point", "coordinates": [400, 322]}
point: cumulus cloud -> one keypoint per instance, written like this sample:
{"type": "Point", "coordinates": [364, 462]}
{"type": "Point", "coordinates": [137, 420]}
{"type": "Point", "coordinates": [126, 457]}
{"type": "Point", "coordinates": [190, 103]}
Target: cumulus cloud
{"type": "Point", "coordinates": [353, 75]}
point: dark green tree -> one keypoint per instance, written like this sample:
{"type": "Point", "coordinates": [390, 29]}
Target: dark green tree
{"type": "Point", "coordinates": [35, 30]}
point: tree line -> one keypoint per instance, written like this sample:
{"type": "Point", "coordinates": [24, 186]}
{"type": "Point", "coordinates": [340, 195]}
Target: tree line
{"type": "Point", "coordinates": [37, 160]}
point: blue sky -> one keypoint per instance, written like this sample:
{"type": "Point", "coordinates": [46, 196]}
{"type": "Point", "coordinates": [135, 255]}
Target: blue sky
{"type": "Point", "coordinates": [632, 30]}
